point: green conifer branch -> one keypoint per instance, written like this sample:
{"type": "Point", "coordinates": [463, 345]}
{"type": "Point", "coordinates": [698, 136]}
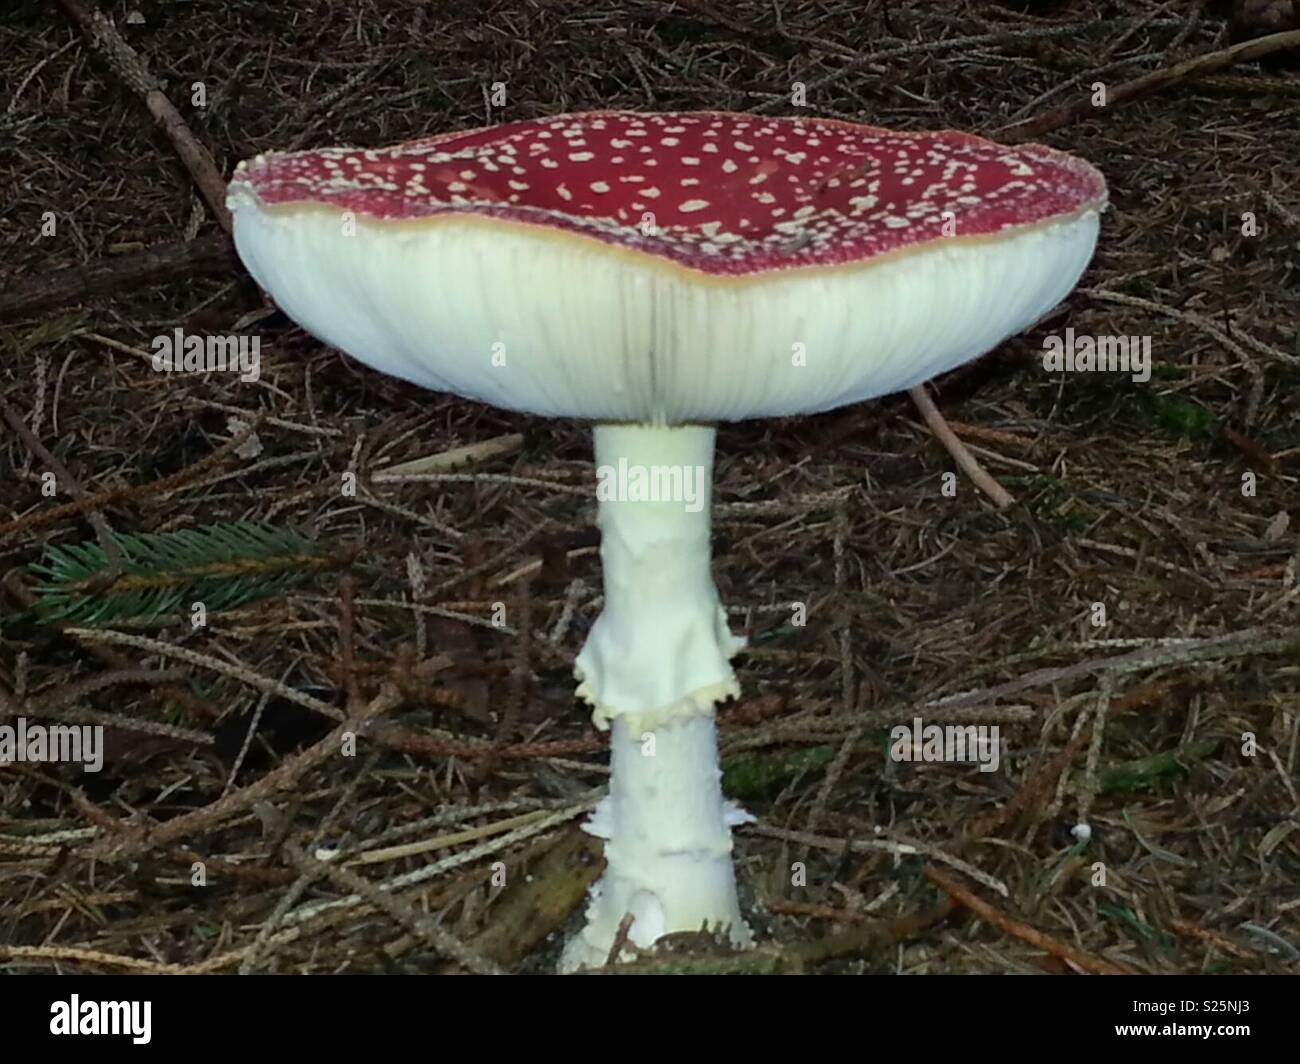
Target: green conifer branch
{"type": "Point", "coordinates": [222, 565]}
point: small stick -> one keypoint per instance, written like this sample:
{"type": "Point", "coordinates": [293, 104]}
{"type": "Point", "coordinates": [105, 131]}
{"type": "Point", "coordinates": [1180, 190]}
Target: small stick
{"type": "Point", "coordinates": [77, 955]}
{"type": "Point", "coordinates": [969, 464]}
{"type": "Point", "coordinates": [786, 907]}
{"type": "Point", "coordinates": [986, 912]}
{"type": "Point", "coordinates": [1152, 82]}
{"type": "Point", "coordinates": [987, 435]}
{"type": "Point", "coordinates": [401, 913]}
{"type": "Point", "coordinates": [40, 518]}
{"type": "Point", "coordinates": [133, 842]}
{"type": "Point", "coordinates": [127, 64]}
{"type": "Point", "coordinates": [457, 457]}
{"type": "Point", "coordinates": [1245, 643]}
{"type": "Point", "coordinates": [1214, 939]}
{"type": "Point", "coordinates": [103, 533]}
{"type": "Point", "coordinates": [209, 254]}
{"type": "Point", "coordinates": [347, 642]}
{"type": "Point", "coordinates": [871, 938]}
{"type": "Point", "coordinates": [620, 939]}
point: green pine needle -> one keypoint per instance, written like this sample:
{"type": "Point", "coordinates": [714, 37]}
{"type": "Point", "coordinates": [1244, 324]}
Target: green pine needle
{"type": "Point", "coordinates": [222, 566]}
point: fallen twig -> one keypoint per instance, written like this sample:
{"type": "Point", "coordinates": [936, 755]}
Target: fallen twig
{"type": "Point", "coordinates": [41, 518]}
{"type": "Point", "coordinates": [905, 849]}
{"type": "Point", "coordinates": [423, 927]}
{"type": "Point", "coordinates": [969, 464]}
{"type": "Point", "coordinates": [209, 254]}
{"type": "Point", "coordinates": [1248, 642]}
{"type": "Point", "coordinates": [133, 841]}
{"type": "Point", "coordinates": [127, 64]}
{"type": "Point", "coordinates": [1149, 83]}
{"type": "Point", "coordinates": [1022, 931]}
{"type": "Point", "coordinates": [71, 485]}
{"type": "Point", "coordinates": [1213, 939]}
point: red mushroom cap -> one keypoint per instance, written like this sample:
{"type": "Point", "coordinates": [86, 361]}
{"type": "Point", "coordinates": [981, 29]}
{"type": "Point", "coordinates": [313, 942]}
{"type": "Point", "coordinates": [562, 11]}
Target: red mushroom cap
{"type": "Point", "coordinates": [719, 193]}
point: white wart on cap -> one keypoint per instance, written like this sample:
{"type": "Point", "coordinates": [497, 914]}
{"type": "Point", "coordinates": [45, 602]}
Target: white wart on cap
{"type": "Point", "coordinates": [669, 268]}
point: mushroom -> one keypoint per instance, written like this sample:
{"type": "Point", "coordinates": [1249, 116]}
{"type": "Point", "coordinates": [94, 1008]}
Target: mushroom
{"type": "Point", "coordinates": [657, 274]}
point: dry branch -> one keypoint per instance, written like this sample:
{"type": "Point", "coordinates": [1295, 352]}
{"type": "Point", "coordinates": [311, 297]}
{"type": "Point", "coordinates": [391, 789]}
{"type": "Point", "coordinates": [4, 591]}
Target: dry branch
{"type": "Point", "coordinates": [1149, 83]}
{"type": "Point", "coordinates": [127, 64]}
{"type": "Point", "coordinates": [986, 912]}
{"type": "Point", "coordinates": [212, 254]}
{"type": "Point", "coordinates": [967, 461]}
{"type": "Point", "coordinates": [131, 841]}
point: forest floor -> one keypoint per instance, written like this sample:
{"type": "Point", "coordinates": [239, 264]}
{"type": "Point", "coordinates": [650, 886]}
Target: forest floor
{"type": "Point", "coordinates": [1129, 624]}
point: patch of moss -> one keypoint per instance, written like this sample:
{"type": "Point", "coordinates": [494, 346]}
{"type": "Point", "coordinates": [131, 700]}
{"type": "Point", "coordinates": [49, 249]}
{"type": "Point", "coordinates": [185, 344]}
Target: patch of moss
{"type": "Point", "coordinates": [1146, 772]}
{"type": "Point", "coordinates": [750, 776]}
{"type": "Point", "coordinates": [1050, 500]}
{"type": "Point", "coordinates": [1179, 417]}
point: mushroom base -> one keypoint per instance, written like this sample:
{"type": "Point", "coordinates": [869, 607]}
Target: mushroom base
{"type": "Point", "coordinates": [668, 842]}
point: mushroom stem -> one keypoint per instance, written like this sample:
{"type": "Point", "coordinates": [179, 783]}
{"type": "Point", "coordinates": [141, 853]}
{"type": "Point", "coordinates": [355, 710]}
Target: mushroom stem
{"type": "Point", "coordinates": [662, 638]}
{"type": "Point", "coordinates": [655, 663]}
